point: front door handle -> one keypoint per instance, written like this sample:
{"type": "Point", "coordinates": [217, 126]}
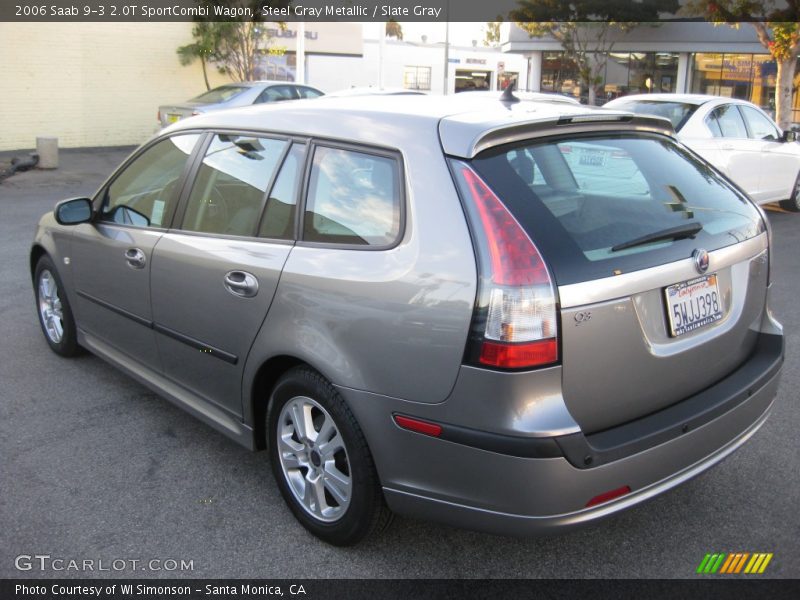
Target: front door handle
{"type": "Point", "coordinates": [136, 258]}
{"type": "Point", "coordinates": [241, 283]}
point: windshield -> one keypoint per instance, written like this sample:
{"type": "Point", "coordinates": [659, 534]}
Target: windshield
{"type": "Point", "coordinates": [220, 94]}
{"type": "Point", "coordinates": [677, 112]}
{"type": "Point", "coordinates": [583, 199]}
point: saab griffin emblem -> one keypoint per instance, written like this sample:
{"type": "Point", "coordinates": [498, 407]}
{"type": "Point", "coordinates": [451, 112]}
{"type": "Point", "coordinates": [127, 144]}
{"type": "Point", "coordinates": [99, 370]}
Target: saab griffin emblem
{"type": "Point", "coordinates": [700, 260]}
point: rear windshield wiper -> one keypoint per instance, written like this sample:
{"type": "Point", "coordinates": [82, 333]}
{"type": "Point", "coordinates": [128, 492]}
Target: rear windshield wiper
{"type": "Point", "coordinates": [673, 233]}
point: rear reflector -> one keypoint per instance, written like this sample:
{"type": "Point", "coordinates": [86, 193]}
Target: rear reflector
{"type": "Point", "coordinates": [418, 426]}
{"type": "Point", "coordinates": [608, 496]}
{"type": "Point", "coordinates": [515, 356]}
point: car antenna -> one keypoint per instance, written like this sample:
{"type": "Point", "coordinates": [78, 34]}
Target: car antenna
{"type": "Point", "coordinates": [508, 96]}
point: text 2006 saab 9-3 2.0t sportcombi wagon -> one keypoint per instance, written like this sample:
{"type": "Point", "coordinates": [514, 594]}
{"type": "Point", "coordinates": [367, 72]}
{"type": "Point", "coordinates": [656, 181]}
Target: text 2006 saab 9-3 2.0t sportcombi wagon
{"type": "Point", "coordinates": [439, 307]}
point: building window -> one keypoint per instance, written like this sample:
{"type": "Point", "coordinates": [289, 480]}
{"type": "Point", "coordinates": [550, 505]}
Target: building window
{"type": "Point", "coordinates": [469, 80]}
{"type": "Point", "coordinates": [625, 73]}
{"type": "Point", "coordinates": [417, 78]}
{"type": "Point", "coordinates": [559, 74]}
{"type": "Point", "coordinates": [743, 76]}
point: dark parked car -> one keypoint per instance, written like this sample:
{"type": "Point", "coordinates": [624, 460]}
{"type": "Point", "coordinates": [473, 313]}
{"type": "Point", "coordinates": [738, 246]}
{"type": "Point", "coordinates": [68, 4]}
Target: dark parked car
{"type": "Point", "coordinates": [513, 317]}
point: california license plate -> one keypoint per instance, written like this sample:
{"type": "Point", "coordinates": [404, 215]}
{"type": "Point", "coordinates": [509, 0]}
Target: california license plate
{"type": "Point", "coordinates": [173, 118]}
{"type": "Point", "coordinates": [693, 304]}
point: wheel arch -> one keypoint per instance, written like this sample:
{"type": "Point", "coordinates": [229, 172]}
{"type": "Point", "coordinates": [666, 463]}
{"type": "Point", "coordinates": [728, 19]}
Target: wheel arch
{"type": "Point", "coordinates": [37, 252]}
{"type": "Point", "coordinates": [264, 381]}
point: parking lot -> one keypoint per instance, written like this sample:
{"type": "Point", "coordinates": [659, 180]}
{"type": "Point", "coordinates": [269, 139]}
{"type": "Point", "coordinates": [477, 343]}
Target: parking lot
{"type": "Point", "coordinates": [94, 466]}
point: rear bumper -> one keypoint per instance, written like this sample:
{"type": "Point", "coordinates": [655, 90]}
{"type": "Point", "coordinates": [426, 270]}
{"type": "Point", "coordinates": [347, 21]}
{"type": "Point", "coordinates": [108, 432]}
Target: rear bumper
{"type": "Point", "coordinates": [513, 494]}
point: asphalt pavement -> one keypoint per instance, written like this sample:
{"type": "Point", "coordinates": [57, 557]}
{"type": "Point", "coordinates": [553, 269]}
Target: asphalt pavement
{"type": "Point", "coordinates": [93, 466]}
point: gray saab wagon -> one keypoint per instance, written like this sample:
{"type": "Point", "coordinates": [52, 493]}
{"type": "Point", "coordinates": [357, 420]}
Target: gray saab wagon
{"type": "Point", "coordinates": [507, 316]}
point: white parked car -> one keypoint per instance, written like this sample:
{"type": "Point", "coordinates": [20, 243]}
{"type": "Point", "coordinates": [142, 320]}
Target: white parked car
{"type": "Point", "coordinates": [735, 136]}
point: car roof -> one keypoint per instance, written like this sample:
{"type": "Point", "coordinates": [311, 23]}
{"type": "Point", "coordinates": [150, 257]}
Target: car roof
{"type": "Point", "coordinates": [370, 91]}
{"type": "Point", "coordinates": [261, 82]}
{"type": "Point", "coordinates": [523, 95]}
{"type": "Point", "coordinates": [696, 99]}
{"type": "Point", "coordinates": [465, 125]}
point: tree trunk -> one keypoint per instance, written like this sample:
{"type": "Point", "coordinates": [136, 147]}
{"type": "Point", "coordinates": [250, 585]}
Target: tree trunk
{"type": "Point", "coordinates": [592, 94]}
{"type": "Point", "coordinates": [783, 92]}
{"type": "Point", "coordinates": [205, 74]}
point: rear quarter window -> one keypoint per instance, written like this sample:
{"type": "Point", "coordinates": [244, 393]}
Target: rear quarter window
{"type": "Point", "coordinates": [579, 197]}
{"type": "Point", "coordinates": [354, 198]}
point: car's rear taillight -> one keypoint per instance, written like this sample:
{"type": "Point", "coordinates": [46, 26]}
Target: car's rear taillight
{"type": "Point", "coordinates": [515, 325]}
{"type": "Point", "coordinates": [158, 118]}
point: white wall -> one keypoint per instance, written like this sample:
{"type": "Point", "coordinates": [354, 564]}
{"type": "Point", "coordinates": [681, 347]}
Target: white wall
{"type": "Point", "coordinates": [91, 84]}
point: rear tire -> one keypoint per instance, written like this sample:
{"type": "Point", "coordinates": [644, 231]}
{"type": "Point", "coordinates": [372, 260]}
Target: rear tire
{"type": "Point", "coordinates": [321, 461]}
{"type": "Point", "coordinates": [793, 203]}
{"type": "Point", "coordinates": [55, 313]}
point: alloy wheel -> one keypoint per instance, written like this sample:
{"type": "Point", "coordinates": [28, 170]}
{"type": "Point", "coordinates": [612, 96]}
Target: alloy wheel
{"type": "Point", "coordinates": [50, 309]}
{"type": "Point", "coordinates": [314, 459]}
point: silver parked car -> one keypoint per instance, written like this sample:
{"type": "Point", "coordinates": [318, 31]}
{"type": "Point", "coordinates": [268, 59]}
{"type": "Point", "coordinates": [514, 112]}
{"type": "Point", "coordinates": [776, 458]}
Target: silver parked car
{"type": "Point", "coordinates": [232, 95]}
{"type": "Point", "coordinates": [735, 136]}
{"type": "Point", "coordinates": [430, 307]}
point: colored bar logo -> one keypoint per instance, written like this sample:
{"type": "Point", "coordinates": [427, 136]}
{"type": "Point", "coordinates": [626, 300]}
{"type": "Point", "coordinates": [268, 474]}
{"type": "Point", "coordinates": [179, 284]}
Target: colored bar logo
{"type": "Point", "coordinates": [734, 563]}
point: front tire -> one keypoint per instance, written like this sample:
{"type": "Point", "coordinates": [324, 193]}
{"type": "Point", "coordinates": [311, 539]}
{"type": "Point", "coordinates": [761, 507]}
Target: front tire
{"type": "Point", "coordinates": [55, 313]}
{"type": "Point", "coordinates": [793, 203]}
{"type": "Point", "coordinates": [321, 461]}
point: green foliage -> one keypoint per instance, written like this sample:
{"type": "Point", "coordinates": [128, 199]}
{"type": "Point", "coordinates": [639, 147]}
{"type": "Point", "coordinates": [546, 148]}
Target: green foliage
{"type": "Point", "coordinates": [234, 47]}
{"type": "Point", "coordinates": [491, 32]}
{"type": "Point", "coordinates": [393, 29]}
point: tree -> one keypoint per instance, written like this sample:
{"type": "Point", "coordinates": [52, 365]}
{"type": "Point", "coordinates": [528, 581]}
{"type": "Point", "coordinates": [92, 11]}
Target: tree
{"type": "Point", "coordinates": [778, 31]}
{"type": "Point", "coordinates": [202, 48]}
{"type": "Point", "coordinates": [393, 29]}
{"type": "Point", "coordinates": [584, 26]}
{"type": "Point", "coordinates": [235, 47]}
{"type": "Point", "coordinates": [491, 32]}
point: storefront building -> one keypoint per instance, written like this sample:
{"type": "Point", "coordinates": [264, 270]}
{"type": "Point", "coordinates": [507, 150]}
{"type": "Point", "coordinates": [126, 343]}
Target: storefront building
{"type": "Point", "coordinates": [669, 57]}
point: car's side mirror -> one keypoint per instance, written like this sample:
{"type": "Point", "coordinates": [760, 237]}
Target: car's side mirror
{"type": "Point", "coordinates": [790, 135]}
{"type": "Point", "coordinates": [73, 211]}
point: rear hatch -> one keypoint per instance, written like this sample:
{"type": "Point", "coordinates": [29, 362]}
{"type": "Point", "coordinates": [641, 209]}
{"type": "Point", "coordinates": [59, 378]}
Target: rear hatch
{"type": "Point", "coordinates": [659, 264]}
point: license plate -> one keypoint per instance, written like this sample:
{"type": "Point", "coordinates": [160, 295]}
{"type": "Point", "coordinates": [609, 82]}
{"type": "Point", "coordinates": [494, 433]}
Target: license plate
{"type": "Point", "coordinates": [593, 158]}
{"type": "Point", "coordinates": [173, 118]}
{"type": "Point", "coordinates": [693, 304]}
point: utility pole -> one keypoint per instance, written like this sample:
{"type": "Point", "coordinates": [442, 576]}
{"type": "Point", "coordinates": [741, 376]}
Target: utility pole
{"type": "Point", "coordinates": [300, 53]}
{"type": "Point", "coordinates": [447, 51]}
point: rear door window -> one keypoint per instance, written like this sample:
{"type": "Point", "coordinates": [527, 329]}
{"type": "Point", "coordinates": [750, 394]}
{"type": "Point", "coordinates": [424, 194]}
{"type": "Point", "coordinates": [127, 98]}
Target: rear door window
{"type": "Point", "coordinates": [306, 92]}
{"type": "Point", "coordinates": [231, 184]}
{"type": "Point", "coordinates": [589, 195]}
{"type": "Point", "coordinates": [277, 93]}
{"type": "Point", "coordinates": [353, 198]}
{"type": "Point", "coordinates": [730, 121]}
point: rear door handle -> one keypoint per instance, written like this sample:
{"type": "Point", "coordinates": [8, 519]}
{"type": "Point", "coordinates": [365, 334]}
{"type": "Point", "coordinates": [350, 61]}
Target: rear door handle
{"type": "Point", "coordinates": [136, 258]}
{"type": "Point", "coordinates": [241, 283]}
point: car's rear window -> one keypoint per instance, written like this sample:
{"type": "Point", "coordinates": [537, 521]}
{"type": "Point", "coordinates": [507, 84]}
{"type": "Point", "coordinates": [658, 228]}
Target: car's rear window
{"type": "Point", "coordinates": [677, 112]}
{"type": "Point", "coordinates": [220, 94]}
{"type": "Point", "coordinates": [580, 197]}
